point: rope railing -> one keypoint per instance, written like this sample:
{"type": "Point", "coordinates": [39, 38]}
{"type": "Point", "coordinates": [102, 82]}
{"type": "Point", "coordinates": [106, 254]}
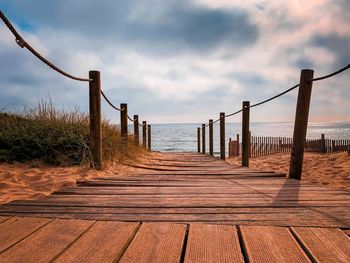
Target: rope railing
{"type": "Point", "coordinates": [300, 125]}
{"type": "Point", "coordinates": [23, 44]}
{"type": "Point", "coordinates": [287, 91]}
{"type": "Point", "coordinates": [95, 102]}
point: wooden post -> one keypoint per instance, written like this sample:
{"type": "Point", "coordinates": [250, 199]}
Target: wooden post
{"type": "Point", "coordinates": [124, 124]}
{"type": "Point", "coordinates": [211, 138]}
{"type": "Point", "coordinates": [144, 134]}
{"type": "Point", "coordinates": [237, 138]}
{"type": "Point", "coordinates": [323, 144]}
{"type": "Point", "coordinates": [149, 138]}
{"type": "Point", "coordinates": [245, 133]}
{"type": "Point", "coordinates": [199, 139]}
{"type": "Point", "coordinates": [136, 130]}
{"type": "Point", "coordinates": [203, 138]}
{"type": "Point", "coordinates": [222, 135]}
{"type": "Point", "coordinates": [300, 124]}
{"type": "Point", "coordinates": [95, 119]}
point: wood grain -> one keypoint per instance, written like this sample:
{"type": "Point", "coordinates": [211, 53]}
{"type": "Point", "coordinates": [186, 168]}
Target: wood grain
{"type": "Point", "coordinates": [45, 244]}
{"type": "Point", "coordinates": [103, 242]}
{"type": "Point", "coordinates": [271, 244]}
{"type": "Point", "coordinates": [17, 228]}
{"type": "Point", "coordinates": [213, 243]}
{"type": "Point", "coordinates": [324, 244]}
{"type": "Point", "coordinates": [156, 242]}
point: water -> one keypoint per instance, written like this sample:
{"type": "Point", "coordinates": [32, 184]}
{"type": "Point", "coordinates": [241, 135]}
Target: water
{"type": "Point", "coordinates": [183, 137]}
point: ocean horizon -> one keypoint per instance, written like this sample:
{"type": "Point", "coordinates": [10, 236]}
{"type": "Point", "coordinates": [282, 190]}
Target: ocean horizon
{"type": "Point", "coordinates": [182, 137]}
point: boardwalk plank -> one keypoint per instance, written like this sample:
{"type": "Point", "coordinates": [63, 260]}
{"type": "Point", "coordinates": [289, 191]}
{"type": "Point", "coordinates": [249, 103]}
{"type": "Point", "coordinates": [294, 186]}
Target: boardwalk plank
{"type": "Point", "coordinates": [156, 242]}
{"type": "Point", "coordinates": [4, 218]}
{"type": "Point", "coordinates": [271, 244]}
{"type": "Point", "coordinates": [45, 244]}
{"type": "Point", "coordinates": [17, 228]}
{"type": "Point", "coordinates": [213, 243]}
{"type": "Point", "coordinates": [103, 242]}
{"type": "Point", "coordinates": [324, 244]}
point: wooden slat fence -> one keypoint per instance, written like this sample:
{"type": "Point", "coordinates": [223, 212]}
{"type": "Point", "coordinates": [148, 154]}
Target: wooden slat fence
{"type": "Point", "coordinates": [260, 146]}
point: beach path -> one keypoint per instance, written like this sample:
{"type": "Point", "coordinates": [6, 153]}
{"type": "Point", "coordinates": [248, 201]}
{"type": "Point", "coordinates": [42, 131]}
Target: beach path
{"type": "Point", "coordinates": [182, 207]}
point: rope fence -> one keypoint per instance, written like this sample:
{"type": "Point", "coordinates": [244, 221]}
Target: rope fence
{"type": "Point", "coordinates": [300, 125]}
{"type": "Point", "coordinates": [95, 93]}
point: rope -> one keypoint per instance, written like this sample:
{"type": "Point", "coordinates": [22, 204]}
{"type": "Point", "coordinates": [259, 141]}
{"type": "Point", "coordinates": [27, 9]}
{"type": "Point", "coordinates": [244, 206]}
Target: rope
{"type": "Point", "coordinates": [229, 115]}
{"type": "Point", "coordinates": [109, 102]}
{"type": "Point", "coordinates": [332, 74]}
{"type": "Point", "coordinates": [23, 44]}
{"type": "Point", "coordinates": [130, 119]}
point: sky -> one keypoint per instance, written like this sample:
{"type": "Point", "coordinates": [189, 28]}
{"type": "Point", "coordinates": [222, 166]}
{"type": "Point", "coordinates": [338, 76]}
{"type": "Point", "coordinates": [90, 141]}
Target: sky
{"type": "Point", "coordinates": [179, 61]}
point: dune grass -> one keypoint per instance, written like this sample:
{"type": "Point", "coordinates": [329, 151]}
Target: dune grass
{"type": "Point", "coordinates": [56, 137]}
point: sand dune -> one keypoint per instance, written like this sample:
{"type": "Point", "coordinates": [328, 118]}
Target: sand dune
{"type": "Point", "coordinates": [325, 169]}
{"type": "Point", "coordinates": [22, 181]}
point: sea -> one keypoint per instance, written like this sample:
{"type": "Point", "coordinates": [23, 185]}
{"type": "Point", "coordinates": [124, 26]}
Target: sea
{"type": "Point", "coordinates": [183, 137]}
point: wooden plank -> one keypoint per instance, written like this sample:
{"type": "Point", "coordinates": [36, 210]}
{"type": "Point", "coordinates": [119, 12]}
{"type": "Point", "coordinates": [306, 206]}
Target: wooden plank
{"type": "Point", "coordinates": [103, 242]}
{"type": "Point", "coordinates": [271, 244]}
{"type": "Point", "coordinates": [324, 244]}
{"type": "Point", "coordinates": [156, 242]}
{"type": "Point", "coordinates": [47, 243]}
{"type": "Point", "coordinates": [17, 228]}
{"type": "Point", "coordinates": [213, 243]}
{"type": "Point", "coordinates": [4, 218]}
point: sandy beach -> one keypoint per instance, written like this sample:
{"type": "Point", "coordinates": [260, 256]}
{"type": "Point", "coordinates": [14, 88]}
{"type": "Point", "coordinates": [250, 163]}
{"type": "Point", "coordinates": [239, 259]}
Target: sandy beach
{"type": "Point", "coordinates": [325, 169]}
{"type": "Point", "coordinates": [25, 181]}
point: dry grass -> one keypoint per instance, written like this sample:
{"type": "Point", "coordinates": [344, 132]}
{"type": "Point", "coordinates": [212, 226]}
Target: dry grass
{"type": "Point", "coordinates": [56, 137]}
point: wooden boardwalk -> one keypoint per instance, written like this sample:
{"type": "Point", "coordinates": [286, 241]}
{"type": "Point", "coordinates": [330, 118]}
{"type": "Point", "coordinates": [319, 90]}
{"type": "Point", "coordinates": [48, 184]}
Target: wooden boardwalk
{"type": "Point", "coordinates": [181, 208]}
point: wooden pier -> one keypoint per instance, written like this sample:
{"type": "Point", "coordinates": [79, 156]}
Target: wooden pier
{"type": "Point", "coordinates": [181, 208]}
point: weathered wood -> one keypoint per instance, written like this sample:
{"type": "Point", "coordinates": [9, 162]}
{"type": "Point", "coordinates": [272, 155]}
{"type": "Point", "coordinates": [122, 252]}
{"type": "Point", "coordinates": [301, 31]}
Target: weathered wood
{"type": "Point", "coordinates": [17, 228]}
{"type": "Point", "coordinates": [198, 140]}
{"type": "Point", "coordinates": [149, 138]}
{"type": "Point", "coordinates": [124, 124]}
{"type": "Point", "coordinates": [203, 138]}
{"type": "Point", "coordinates": [95, 119]}
{"type": "Point", "coordinates": [4, 218]}
{"type": "Point", "coordinates": [144, 134]}
{"type": "Point", "coordinates": [271, 244]}
{"type": "Point", "coordinates": [136, 130]}
{"type": "Point", "coordinates": [156, 242]}
{"type": "Point", "coordinates": [211, 138]}
{"type": "Point", "coordinates": [213, 243]}
{"type": "Point", "coordinates": [103, 242]}
{"type": "Point", "coordinates": [222, 136]}
{"type": "Point", "coordinates": [324, 244]}
{"type": "Point", "coordinates": [47, 243]}
{"type": "Point", "coordinates": [245, 133]}
{"type": "Point", "coordinates": [300, 124]}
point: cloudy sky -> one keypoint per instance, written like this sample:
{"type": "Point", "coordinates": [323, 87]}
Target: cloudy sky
{"type": "Point", "coordinates": [179, 60]}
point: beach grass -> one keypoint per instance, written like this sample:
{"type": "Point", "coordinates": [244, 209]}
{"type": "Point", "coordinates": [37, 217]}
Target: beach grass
{"type": "Point", "coordinates": [55, 136]}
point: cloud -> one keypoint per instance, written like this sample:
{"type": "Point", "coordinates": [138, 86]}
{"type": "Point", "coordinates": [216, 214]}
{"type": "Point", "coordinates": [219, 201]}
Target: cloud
{"type": "Point", "coordinates": [174, 61]}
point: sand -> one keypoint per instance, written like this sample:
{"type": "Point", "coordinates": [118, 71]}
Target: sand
{"type": "Point", "coordinates": [326, 169]}
{"type": "Point", "coordinates": [26, 181]}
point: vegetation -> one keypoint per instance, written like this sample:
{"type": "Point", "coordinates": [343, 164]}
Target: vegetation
{"type": "Point", "coordinates": [56, 137]}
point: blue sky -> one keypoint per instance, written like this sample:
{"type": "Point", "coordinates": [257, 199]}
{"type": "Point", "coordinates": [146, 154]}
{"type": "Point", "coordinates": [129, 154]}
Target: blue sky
{"type": "Point", "coordinates": [179, 61]}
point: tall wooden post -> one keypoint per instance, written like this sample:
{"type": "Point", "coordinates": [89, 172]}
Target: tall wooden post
{"type": "Point", "coordinates": [222, 136]}
{"type": "Point", "coordinates": [149, 138]}
{"type": "Point", "coordinates": [211, 138]}
{"type": "Point", "coordinates": [136, 130]}
{"type": "Point", "coordinates": [323, 143]}
{"type": "Point", "coordinates": [124, 124]}
{"type": "Point", "coordinates": [237, 138]}
{"type": "Point", "coordinates": [144, 134]}
{"type": "Point", "coordinates": [245, 133]}
{"type": "Point", "coordinates": [203, 138]}
{"type": "Point", "coordinates": [300, 124]}
{"type": "Point", "coordinates": [95, 119]}
{"type": "Point", "coordinates": [199, 139]}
